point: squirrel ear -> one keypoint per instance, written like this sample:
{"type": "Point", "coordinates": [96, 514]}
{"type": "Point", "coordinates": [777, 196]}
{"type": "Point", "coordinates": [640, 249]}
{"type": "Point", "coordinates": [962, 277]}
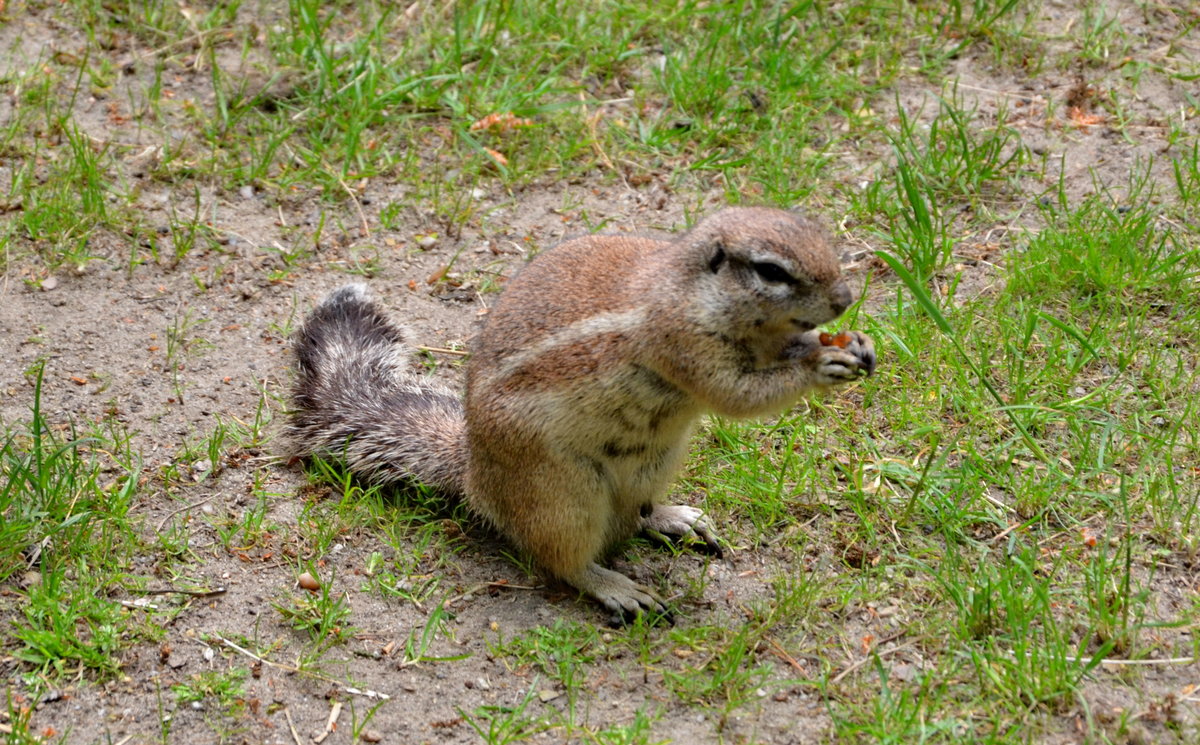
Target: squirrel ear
{"type": "Point", "coordinates": [717, 259]}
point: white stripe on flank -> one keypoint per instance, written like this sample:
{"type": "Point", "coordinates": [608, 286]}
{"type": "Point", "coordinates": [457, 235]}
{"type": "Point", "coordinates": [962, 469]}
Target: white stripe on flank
{"type": "Point", "coordinates": [576, 333]}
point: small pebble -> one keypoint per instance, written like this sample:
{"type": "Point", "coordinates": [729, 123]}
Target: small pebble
{"type": "Point", "coordinates": [308, 582]}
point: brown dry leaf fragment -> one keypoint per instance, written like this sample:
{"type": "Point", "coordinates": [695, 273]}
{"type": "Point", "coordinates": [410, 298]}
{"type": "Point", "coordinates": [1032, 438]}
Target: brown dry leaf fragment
{"type": "Point", "coordinates": [501, 122]}
{"type": "Point", "coordinates": [114, 114]}
{"type": "Point", "coordinates": [1082, 119]}
{"type": "Point", "coordinates": [497, 157]}
{"type": "Point", "coordinates": [78, 380]}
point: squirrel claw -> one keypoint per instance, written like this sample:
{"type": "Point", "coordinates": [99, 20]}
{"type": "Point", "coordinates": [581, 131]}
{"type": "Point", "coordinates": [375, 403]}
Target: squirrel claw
{"type": "Point", "coordinates": [862, 347]}
{"type": "Point", "coordinates": [623, 617]}
{"type": "Point", "coordinates": [621, 596]}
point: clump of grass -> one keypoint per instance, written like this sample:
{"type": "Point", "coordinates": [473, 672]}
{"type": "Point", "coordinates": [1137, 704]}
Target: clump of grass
{"type": "Point", "coordinates": [61, 209]}
{"type": "Point", "coordinates": [322, 615]}
{"type": "Point", "coordinates": [67, 529]}
{"type": "Point", "coordinates": [227, 688]}
{"type": "Point", "coordinates": [1111, 254]}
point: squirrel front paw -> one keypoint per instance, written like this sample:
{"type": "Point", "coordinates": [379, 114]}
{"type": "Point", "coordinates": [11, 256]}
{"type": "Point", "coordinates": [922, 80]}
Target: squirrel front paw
{"type": "Point", "coordinates": [851, 355]}
{"type": "Point", "coordinates": [839, 358]}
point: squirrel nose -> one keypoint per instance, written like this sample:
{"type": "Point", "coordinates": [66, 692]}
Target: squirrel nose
{"type": "Point", "coordinates": [840, 298]}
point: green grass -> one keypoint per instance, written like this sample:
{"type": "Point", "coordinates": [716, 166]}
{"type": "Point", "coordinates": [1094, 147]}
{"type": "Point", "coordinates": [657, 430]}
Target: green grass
{"type": "Point", "coordinates": [226, 689]}
{"type": "Point", "coordinates": [68, 537]}
{"type": "Point", "coordinates": [323, 615]}
{"type": "Point", "coordinates": [955, 550]}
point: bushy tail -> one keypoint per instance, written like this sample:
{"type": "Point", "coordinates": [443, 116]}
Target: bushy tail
{"type": "Point", "coordinates": [353, 399]}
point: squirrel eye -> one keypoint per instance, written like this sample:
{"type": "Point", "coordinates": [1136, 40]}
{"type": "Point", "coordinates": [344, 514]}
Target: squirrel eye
{"type": "Point", "coordinates": [772, 272]}
{"type": "Point", "coordinates": [714, 264]}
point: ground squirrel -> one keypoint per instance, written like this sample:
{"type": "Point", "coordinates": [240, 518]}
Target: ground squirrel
{"type": "Point", "coordinates": [586, 382]}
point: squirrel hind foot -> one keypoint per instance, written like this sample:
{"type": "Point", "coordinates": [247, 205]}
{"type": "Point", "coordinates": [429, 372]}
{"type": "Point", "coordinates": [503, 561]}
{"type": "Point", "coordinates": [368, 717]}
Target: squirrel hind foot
{"type": "Point", "coordinates": [620, 595]}
{"type": "Point", "coordinates": [682, 523]}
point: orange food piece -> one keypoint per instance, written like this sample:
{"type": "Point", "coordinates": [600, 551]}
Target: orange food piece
{"type": "Point", "coordinates": [841, 341]}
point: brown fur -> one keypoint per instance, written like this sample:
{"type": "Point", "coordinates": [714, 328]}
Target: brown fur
{"type": "Point", "coordinates": [593, 368]}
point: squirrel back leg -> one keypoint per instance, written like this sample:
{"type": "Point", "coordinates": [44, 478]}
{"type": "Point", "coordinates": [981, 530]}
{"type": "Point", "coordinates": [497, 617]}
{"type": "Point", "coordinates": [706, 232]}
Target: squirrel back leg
{"type": "Point", "coordinates": [560, 511]}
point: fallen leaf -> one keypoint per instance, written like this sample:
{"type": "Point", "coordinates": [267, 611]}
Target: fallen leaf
{"type": "Point", "coordinates": [501, 122]}
{"type": "Point", "coordinates": [1082, 119]}
{"type": "Point", "coordinates": [1088, 537]}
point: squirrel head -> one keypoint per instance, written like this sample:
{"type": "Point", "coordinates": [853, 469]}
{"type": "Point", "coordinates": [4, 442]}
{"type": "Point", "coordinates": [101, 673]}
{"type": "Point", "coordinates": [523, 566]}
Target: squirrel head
{"type": "Point", "coordinates": [766, 272]}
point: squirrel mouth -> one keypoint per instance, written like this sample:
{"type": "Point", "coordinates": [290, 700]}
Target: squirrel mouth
{"type": "Point", "coordinates": [803, 325]}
